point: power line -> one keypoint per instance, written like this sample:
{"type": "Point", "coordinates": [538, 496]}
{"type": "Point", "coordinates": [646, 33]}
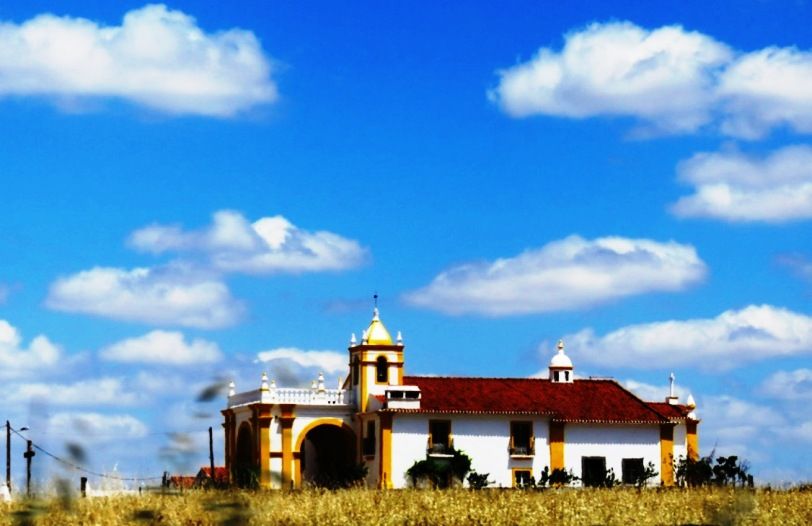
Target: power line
{"type": "Point", "coordinates": [80, 468]}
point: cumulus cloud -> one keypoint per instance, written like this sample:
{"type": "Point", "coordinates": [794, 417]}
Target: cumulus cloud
{"type": "Point", "coordinates": [729, 340]}
{"type": "Point", "coordinates": [663, 76]}
{"type": "Point", "coordinates": [162, 296]}
{"type": "Point", "coordinates": [669, 78]}
{"type": "Point", "coordinates": [101, 391]}
{"type": "Point", "coordinates": [655, 393]}
{"type": "Point", "coordinates": [735, 187]}
{"type": "Point", "coordinates": [765, 89]}
{"type": "Point", "coordinates": [162, 347]}
{"type": "Point", "coordinates": [157, 57]}
{"type": "Point", "coordinates": [17, 360]}
{"type": "Point", "coordinates": [789, 385]}
{"type": "Point", "coordinates": [266, 246]}
{"type": "Point", "coordinates": [97, 427]}
{"type": "Point", "coordinates": [572, 273]}
{"type": "Point", "coordinates": [328, 362]}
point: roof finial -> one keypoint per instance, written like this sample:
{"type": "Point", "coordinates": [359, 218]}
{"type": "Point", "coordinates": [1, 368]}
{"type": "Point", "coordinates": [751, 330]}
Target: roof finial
{"type": "Point", "coordinates": [671, 379]}
{"type": "Point", "coordinates": [375, 310]}
{"type": "Point", "coordinates": [561, 346]}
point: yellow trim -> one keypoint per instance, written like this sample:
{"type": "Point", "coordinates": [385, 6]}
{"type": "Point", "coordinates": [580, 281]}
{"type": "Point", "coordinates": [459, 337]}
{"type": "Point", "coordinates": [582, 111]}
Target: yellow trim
{"type": "Point", "coordinates": [513, 472]}
{"type": "Point", "coordinates": [297, 453]}
{"type": "Point", "coordinates": [692, 440]}
{"type": "Point", "coordinates": [264, 422]}
{"type": "Point", "coordinates": [385, 479]}
{"type": "Point", "coordinates": [286, 423]}
{"type": "Point", "coordinates": [667, 454]}
{"type": "Point", "coordinates": [337, 422]}
{"type": "Point", "coordinates": [556, 445]}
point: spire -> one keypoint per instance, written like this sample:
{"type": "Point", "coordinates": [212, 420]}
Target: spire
{"type": "Point", "coordinates": [672, 397]}
{"type": "Point", "coordinates": [376, 333]}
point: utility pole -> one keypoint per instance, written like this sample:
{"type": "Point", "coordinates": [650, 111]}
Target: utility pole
{"type": "Point", "coordinates": [29, 454]}
{"type": "Point", "coordinates": [8, 456]}
{"type": "Point", "coordinates": [211, 456]}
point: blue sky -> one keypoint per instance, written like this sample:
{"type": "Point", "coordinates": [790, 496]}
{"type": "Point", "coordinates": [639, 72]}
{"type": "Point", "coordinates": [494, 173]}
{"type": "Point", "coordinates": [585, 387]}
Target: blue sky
{"type": "Point", "coordinates": [191, 189]}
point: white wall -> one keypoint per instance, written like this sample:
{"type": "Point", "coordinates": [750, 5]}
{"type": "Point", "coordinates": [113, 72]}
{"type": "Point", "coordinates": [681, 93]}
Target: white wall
{"type": "Point", "coordinates": [680, 441]}
{"type": "Point", "coordinates": [615, 442]}
{"type": "Point", "coordinates": [483, 438]}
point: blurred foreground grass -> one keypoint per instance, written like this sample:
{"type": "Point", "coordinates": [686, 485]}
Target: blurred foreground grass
{"type": "Point", "coordinates": [453, 507]}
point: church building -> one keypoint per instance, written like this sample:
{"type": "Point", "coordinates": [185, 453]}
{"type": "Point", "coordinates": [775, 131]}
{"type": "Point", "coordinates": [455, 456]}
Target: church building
{"type": "Point", "coordinates": [511, 428]}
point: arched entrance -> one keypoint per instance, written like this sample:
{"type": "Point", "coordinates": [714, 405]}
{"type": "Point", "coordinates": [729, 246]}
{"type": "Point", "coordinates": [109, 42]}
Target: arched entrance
{"type": "Point", "coordinates": [245, 470]}
{"type": "Point", "coordinates": [327, 455]}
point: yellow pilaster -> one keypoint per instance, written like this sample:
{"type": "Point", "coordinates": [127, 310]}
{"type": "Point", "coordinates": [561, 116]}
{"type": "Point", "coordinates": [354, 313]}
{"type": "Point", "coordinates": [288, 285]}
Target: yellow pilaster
{"type": "Point", "coordinates": [286, 423]}
{"type": "Point", "coordinates": [556, 445]}
{"type": "Point", "coordinates": [263, 420]}
{"type": "Point", "coordinates": [667, 454]}
{"type": "Point", "coordinates": [385, 466]}
{"type": "Point", "coordinates": [692, 439]}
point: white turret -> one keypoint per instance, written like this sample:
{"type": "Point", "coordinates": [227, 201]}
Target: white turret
{"type": "Point", "coordinates": [561, 369]}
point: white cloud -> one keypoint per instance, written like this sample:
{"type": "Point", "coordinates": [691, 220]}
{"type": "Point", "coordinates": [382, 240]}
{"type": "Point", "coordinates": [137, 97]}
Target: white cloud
{"type": "Point", "coordinates": [662, 76]}
{"type": "Point", "coordinates": [97, 427]}
{"type": "Point", "coordinates": [756, 332]}
{"type": "Point", "coordinates": [329, 362]}
{"type": "Point", "coordinates": [162, 347]}
{"type": "Point", "coordinates": [572, 273]}
{"type": "Point", "coordinates": [669, 78]}
{"type": "Point", "coordinates": [789, 385]}
{"type": "Point", "coordinates": [767, 88]}
{"type": "Point", "coordinates": [655, 393]}
{"type": "Point", "coordinates": [799, 264]}
{"type": "Point", "coordinates": [268, 245]}
{"type": "Point", "coordinates": [734, 426]}
{"type": "Point", "coordinates": [157, 57]}
{"type": "Point", "coordinates": [101, 391]}
{"type": "Point", "coordinates": [17, 360]}
{"type": "Point", "coordinates": [162, 296]}
{"type": "Point", "coordinates": [734, 187]}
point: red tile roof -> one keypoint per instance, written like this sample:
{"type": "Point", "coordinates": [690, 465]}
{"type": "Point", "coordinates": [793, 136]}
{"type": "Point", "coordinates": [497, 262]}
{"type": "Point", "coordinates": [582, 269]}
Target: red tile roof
{"type": "Point", "coordinates": [671, 411]}
{"type": "Point", "coordinates": [580, 401]}
{"type": "Point", "coordinates": [220, 473]}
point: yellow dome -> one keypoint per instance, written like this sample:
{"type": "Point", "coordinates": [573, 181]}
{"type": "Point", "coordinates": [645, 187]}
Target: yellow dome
{"type": "Point", "coordinates": [376, 333]}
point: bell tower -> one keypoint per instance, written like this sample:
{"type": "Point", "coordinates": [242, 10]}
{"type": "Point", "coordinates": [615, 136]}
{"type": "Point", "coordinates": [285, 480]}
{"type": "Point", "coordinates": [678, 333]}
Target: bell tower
{"type": "Point", "coordinates": [375, 363]}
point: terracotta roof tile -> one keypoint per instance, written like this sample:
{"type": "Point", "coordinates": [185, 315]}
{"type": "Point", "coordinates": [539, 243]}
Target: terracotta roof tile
{"type": "Point", "coordinates": [580, 401]}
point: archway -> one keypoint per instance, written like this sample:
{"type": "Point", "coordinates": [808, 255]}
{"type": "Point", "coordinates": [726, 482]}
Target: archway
{"type": "Point", "coordinates": [327, 455]}
{"type": "Point", "coordinates": [245, 471]}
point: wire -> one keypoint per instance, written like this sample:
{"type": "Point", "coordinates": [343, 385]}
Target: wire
{"type": "Point", "coordinates": [80, 468]}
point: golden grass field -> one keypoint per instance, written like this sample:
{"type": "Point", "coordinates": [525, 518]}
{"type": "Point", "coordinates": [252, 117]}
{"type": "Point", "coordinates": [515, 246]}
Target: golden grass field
{"type": "Point", "coordinates": [453, 507]}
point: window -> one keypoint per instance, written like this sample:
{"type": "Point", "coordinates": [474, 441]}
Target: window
{"type": "Point", "coordinates": [439, 436]}
{"type": "Point", "coordinates": [381, 370]}
{"type": "Point", "coordinates": [355, 370]}
{"type": "Point", "coordinates": [555, 376]}
{"type": "Point", "coordinates": [368, 445]}
{"type": "Point", "coordinates": [521, 438]}
{"type": "Point", "coordinates": [566, 376]}
{"type": "Point", "coordinates": [593, 471]}
{"type": "Point", "coordinates": [522, 478]}
{"type": "Point", "coordinates": [632, 470]}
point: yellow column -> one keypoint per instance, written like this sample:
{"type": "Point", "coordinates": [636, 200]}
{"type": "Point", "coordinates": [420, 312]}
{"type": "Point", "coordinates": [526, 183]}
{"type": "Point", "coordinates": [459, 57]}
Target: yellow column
{"type": "Point", "coordinates": [263, 421]}
{"type": "Point", "coordinates": [385, 466]}
{"type": "Point", "coordinates": [667, 454]}
{"type": "Point", "coordinates": [692, 439]}
{"type": "Point", "coordinates": [556, 445]}
{"type": "Point", "coordinates": [286, 423]}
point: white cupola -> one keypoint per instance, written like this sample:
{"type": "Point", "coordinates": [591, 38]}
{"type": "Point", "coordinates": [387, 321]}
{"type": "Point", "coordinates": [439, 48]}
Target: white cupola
{"type": "Point", "coordinates": [561, 370]}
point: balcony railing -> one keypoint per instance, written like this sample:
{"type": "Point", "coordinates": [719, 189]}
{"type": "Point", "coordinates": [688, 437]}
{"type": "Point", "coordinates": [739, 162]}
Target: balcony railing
{"type": "Point", "coordinates": [522, 448]}
{"type": "Point", "coordinates": [290, 395]}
